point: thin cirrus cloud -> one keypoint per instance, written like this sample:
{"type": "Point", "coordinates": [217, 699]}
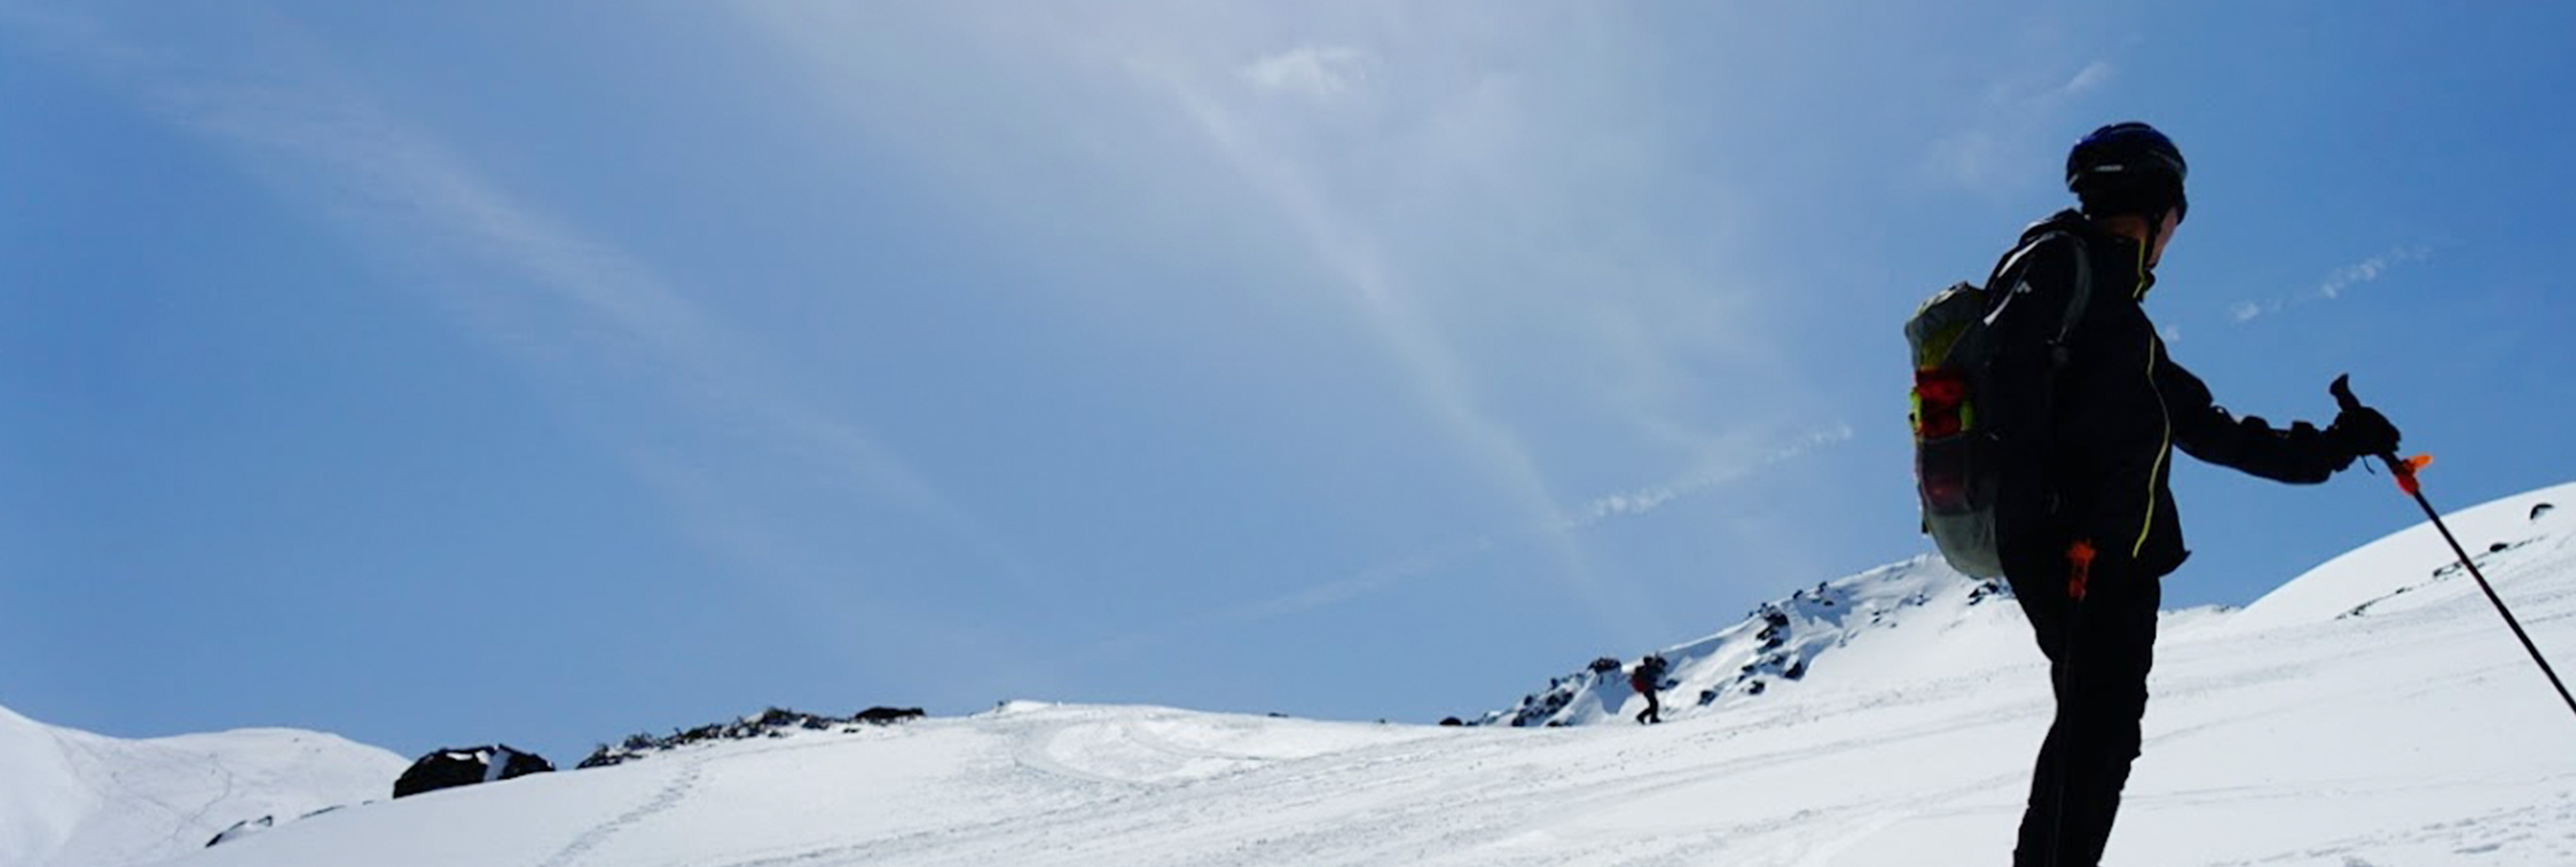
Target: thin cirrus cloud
{"type": "Point", "coordinates": [1469, 135]}
{"type": "Point", "coordinates": [568, 306]}
{"type": "Point", "coordinates": [1315, 72]}
{"type": "Point", "coordinates": [1643, 500]}
{"type": "Point", "coordinates": [1981, 155]}
{"type": "Point", "coordinates": [1635, 503]}
{"type": "Point", "coordinates": [1374, 288]}
{"type": "Point", "coordinates": [1201, 96]}
{"type": "Point", "coordinates": [1273, 115]}
{"type": "Point", "coordinates": [2093, 76]}
{"type": "Point", "coordinates": [2336, 283]}
{"type": "Point", "coordinates": [1433, 561]}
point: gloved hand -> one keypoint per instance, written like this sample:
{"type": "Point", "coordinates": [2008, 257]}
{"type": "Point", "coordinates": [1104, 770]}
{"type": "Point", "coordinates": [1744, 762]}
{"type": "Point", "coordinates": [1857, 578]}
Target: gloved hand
{"type": "Point", "coordinates": [2360, 432]}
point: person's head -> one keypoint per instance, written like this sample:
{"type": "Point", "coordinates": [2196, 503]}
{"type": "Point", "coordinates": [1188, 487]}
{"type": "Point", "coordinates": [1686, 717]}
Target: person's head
{"type": "Point", "coordinates": [2129, 178]}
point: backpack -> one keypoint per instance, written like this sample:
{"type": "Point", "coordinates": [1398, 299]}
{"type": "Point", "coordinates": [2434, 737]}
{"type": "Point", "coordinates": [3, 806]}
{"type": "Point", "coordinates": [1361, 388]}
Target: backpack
{"type": "Point", "coordinates": [1648, 675]}
{"type": "Point", "coordinates": [1955, 450]}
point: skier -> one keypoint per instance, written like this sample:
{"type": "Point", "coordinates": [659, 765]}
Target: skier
{"type": "Point", "coordinates": [1648, 680]}
{"type": "Point", "coordinates": [2085, 524]}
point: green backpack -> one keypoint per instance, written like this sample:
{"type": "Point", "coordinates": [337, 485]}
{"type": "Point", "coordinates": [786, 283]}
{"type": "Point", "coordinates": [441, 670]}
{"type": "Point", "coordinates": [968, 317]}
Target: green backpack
{"type": "Point", "coordinates": [1955, 451]}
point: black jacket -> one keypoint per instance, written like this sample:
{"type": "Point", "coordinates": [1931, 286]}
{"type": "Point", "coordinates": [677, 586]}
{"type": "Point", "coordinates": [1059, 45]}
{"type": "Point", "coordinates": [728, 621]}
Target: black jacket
{"type": "Point", "coordinates": [2090, 426]}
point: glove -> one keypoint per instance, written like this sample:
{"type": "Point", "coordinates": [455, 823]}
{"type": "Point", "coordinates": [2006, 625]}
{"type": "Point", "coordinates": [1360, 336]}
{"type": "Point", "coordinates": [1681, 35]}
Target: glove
{"type": "Point", "coordinates": [2360, 432]}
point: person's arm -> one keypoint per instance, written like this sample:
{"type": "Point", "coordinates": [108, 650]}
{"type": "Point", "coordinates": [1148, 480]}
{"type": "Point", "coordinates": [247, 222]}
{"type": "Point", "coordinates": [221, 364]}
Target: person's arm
{"type": "Point", "coordinates": [2299, 454]}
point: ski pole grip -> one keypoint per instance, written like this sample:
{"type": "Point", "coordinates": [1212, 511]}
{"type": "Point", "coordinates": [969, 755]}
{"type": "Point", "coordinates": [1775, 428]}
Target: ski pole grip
{"type": "Point", "coordinates": [2342, 391]}
{"type": "Point", "coordinates": [2403, 469]}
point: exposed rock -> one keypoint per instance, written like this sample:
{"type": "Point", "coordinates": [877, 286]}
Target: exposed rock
{"type": "Point", "coordinates": [771, 723]}
{"type": "Point", "coordinates": [248, 827]}
{"type": "Point", "coordinates": [885, 715]}
{"type": "Point", "coordinates": [466, 766]}
{"type": "Point", "coordinates": [243, 828]}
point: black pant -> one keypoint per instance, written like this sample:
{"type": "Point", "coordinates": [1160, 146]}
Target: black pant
{"type": "Point", "coordinates": [1654, 712]}
{"type": "Point", "coordinates": [2099, 651]}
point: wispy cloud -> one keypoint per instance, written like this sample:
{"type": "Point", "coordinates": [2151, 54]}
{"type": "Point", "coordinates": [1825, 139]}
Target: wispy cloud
{"type": "Point", "coordinates": [1392, 313]}
{"type": "Point", "coordinates": [2335, 284]}
{"type": "Point", "coordinates": [1716, 474]}
{"type": "Point", "coordinates": [2092, 76]}
{"type": "Point", "coordinates": [1467, 138]}
{"type": "Point", "coordinates": [1315, 72]}
{"type": "Point", "coordinates": [1726, 470]}
{"type": "Point", "coordinates": [1374, 579]}
{"type": "Point", "coordinates": [1436, 560]}
{"type": "Point", "coordinates": [569, 305]}
{"type": "Point", "coordinates": [1479, 216]}
{"type": "Point", "coordinates": [1986, 150]}
{"type": "Point", "coordinates": [2369, 269]}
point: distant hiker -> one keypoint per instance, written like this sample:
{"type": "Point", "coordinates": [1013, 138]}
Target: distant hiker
{"type": "Point", "coordinates": [1648, 679]}
{"type": "Point", "coordinates": [2087, 409]}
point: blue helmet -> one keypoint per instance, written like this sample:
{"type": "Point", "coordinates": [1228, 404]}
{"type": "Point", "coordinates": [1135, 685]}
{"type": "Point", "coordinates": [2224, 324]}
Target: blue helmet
{"type": "Point", "coordinates": [2127, 168]}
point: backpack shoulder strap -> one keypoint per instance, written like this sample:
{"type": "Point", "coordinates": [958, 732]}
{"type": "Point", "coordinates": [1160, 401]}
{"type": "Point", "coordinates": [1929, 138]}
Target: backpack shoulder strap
{"type": "Point", "coordinates": [2012, 259]}
{"type": "Point", "coordinates": [2083, 288]}
{"type": "Point", "coordinates": [2075, 306]}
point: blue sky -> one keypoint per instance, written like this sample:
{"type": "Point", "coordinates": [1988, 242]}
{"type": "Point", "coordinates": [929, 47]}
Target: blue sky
{"type": "Point", "coordinates": [461, 372]}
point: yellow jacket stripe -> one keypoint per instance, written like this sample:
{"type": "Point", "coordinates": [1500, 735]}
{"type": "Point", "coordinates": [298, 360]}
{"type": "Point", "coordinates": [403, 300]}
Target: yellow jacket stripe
{"type": "Point", "coordinates": [2164, 449]}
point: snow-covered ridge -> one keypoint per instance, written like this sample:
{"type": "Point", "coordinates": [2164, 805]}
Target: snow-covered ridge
{"type": "Point", "coordinates": [2411, 732]}
{"type": "Point", "coordinates": [775, 722]}
{"type": "Point", "coordinates": [70, 798]}
{"type": "Point", "coordinates": [2414, 568]}
{"type": "Point", "coordinates": [1778, 645]}
{"type": "Point", "coordinates": [1919, 620]}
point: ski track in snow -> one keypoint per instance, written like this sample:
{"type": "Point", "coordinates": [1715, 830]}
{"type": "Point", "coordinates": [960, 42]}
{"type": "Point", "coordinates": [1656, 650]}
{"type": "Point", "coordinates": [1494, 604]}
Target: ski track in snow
{"type": "Point", "coordinates": [196, 818]}
{"type": "Point", "coordinates": [670, 795]}
{"type": "Point", "coordinates": [71, 798]}
{"type": "Point", "coordinates": [183, 820]}
{"type": "Point", "coordinates": [1414, 823]}
{"type": "Point", "coordinates": [2480, 836]}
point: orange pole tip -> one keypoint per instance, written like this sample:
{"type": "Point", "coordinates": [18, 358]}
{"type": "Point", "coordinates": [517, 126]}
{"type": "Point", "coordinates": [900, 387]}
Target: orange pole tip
{"type": "Point", "coordinates": [2405, 470]}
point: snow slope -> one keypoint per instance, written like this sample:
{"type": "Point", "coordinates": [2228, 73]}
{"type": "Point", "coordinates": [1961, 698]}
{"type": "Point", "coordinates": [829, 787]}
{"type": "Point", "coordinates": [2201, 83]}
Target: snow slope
{"type": "Point", "coordinates": [2414, 734]}
{"type": "Point", "coordinates": [2407, 571]}
{"type": "Point", "coordinates": [1865, 627]}
{"type": "Point", "coordinates": [70, 798]}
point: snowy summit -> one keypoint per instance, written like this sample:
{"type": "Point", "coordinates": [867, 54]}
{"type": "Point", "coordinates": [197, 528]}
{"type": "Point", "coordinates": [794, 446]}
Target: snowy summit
{"type": "Point", "coordinates": [78, 799]}
{"type": "Point", "coordinates": [1854, 620]}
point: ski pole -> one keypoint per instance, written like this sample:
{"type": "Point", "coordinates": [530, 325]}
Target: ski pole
{"type": "Point", "coordinates": [2404, 470]}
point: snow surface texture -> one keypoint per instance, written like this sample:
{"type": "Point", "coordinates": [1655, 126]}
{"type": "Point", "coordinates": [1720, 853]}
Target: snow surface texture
{"type": "Point", "coordinates": [2372, 713]}
{"type": "Point", "coordinates": [70, 798]}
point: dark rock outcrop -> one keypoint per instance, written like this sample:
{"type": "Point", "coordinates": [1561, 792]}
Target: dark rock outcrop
{"type": "Point", "coordinates": [466, 766]}
{"type": "Point", "coordinates": [885, 715]}
{"type": "Point", "coordinates": [772, 723]}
